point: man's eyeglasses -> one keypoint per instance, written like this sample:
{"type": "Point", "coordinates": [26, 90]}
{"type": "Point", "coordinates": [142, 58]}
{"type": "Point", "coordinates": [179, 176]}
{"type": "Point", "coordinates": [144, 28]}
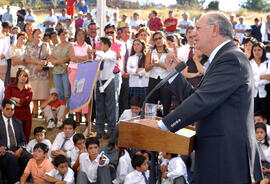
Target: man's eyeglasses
{"type": "Point", "coordinates": [110, 32]}
{"type": "Point", "coordinates": [156, 39]}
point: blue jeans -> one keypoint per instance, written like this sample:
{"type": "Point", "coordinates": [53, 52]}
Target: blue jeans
{"type": "Point", "coordinates": [62, 85]}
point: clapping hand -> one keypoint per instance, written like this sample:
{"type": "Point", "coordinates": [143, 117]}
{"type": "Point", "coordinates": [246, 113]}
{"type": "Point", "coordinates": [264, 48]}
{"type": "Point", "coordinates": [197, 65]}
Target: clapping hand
{"type": "Point", "coordinates": [171, 61]}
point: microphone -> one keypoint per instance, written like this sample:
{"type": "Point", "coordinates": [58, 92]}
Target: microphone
{"type": "Point", "coordinates": [181, 66]}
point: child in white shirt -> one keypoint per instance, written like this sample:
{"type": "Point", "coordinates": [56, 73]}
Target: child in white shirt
{"type": "Point", "coordinates": [90, 163]}
{"type": "Point", "coordinates": [39, 134]}
{"type": "Point", "coordinates": [79, 148]}
{"type": "Point", "coordinates": [175, 170]}
{"type": "Point", "coordinates": [135, 109]}
{"type": "Point", "coordinates": [61, 172]}
{"type": "Point", "coordinates": [141, 174]}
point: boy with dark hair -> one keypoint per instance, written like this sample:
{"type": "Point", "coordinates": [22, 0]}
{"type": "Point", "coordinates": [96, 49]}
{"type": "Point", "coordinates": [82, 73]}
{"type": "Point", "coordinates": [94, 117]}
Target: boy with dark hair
{"type": "Point", "coordinates": [141, 173]}
{"type": "Point", "coordinates": [174, 170]}
{"type": "Point", "coordinates": [136, 104]}
{"type": "Point", "coordinates": [79, 148]}
{"type": "Point", "coordinates": [61, 172]}
{"type": "Point", "coordinates": [63, 143]}
{"type": "Point", "coordinates": [90, 162]}
{"type": "Point", "coordinates": [38, 165]}
{"type": "Point", "coordinates": [105, 90]}
{"type": "Point", "coordinates": [261, 117]}
{"type": "Point", "coordinates": [39, 134]}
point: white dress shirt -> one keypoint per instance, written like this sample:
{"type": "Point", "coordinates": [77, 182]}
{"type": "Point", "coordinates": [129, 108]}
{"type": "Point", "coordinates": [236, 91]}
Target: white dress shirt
{"type": "Point", "coordinates": [64, 18]}
{"type": "Point", "coordinates": [74, 155]}
{"type": "Point", "coordinates": [123, 169]}
{"type": "Point", "coordinates": [6, 125]}
{"type": "Point", "coordinates": [4, 49]}
{"type": "Point", "coordinates": [177, 168]}
{"type": "Point", "coordinates": [90, 167]}
{"type": "Point", "coordinates": [68, 176]}
{"type": "Point", "coordinates": [2, 92]}
{"type": "Point", "coordinates": [259, 84]}
{"type": "Point", "coordinates": [264, 31]}
{"type": "Point", "coordinates": [30, 146]}
{"type": "Point", "coordinates": [210, 59]}
{"type": "Point", "coordinates": [136, 177]}
{"type": "Point", "coordinates": [58, 141]}
{"type": "Point", "coordinates": [183, 52]}
{"type": "Point", "coordinates": [127, 115]}
{"type": "Point", "coordinates": [30, 18]}
{"type": "Point", "coordinates": [86, 23]}
{"type": "Point", "coordinates": [109, 59]}
{"type": "Point", "coordinates": [241, 27]}
{"type": "Point", "coordinates": [140, 79]}
{"type": "Point", "coordinates": [266, 151]}
{"type": "Point", "coordinates": [156, 72]}
{"type": "Point", "coordinates": [50, 19]}
{"type": "Point", "coordinates": [184, 23]}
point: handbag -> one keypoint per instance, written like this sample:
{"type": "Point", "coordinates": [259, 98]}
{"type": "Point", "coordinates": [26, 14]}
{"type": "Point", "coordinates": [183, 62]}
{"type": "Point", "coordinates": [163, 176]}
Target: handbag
{"type": "Point", "coordinates": [46, 67]}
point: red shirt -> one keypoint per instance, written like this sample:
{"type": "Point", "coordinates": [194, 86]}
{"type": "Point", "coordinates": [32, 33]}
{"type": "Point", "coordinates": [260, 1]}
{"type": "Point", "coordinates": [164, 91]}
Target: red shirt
{"type": "Point", "coordinates": [71, 3]}
{"type": "Point", "coordinates": [172, 27]}
{"type": "Point", "coordinates": [56, 104]}
{"type": "Point", "coordinates": [155, 24]}
{"type": "Point", "coordinates": [25, 96]}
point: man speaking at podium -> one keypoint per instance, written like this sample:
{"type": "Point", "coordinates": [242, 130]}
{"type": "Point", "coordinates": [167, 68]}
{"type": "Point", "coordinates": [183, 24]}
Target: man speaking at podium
{"type": "Point", "coordinates": [222, 104]}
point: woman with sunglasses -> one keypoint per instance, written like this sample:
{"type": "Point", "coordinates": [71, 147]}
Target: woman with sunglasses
{"type": "Point", "coordinates": [155, 65]}
{"type": "Point", "coordinates": [21, 93]}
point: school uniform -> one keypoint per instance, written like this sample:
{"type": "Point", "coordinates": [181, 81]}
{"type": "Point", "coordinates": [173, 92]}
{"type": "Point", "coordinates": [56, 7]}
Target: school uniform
{"type": "Point", "coordinates": [68, 177]}
{"type": "Point", "coordinates": [62, 143]}
{"type": "Point", "coordinates": [105, 99]}
{"type": "Point", "coordinates": [176, 169]}
{"type": "Point", "coordinates": [123, 169]}
{"type": "Point", "coordinates": [264, 152]}
{"type": "Point", "coordinates": [30, 146]}
{"type": "Point", "coordinates": [136, 177]}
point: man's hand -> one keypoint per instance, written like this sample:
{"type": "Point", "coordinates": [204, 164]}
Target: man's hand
{"type": "Point", "coordinates": [163, 168]}
{"type": "Point", "coordinates": [2, 151]}
{"type": "Point", "coordinates": [148, 122]}
{"type": "Point", "coordinates": [18, 152]}
{"type": "Point", "coordinates": [164, 175]}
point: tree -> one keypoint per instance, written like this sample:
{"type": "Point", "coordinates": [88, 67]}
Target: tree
{"type": "Point", "coordinates": [256, 5]}
{"type": "Point", "coordinates": [213, 5]}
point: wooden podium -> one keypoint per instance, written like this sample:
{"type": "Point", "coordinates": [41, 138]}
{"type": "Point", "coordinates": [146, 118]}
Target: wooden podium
{"type": "Point", "coordinates": [134, 135]}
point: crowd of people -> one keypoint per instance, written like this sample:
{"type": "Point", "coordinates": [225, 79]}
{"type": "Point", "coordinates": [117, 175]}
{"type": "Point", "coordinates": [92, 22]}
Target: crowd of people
{"type": "Point", "coordinates": [133, 56]}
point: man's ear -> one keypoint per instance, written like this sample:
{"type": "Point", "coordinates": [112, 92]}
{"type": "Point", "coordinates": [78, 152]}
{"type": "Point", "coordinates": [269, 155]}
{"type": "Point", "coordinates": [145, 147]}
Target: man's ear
{"type": "Point", "coordinates": [216, 29]}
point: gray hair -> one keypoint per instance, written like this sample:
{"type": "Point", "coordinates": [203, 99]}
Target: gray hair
{"type": "Point", "coordinates": [225, 26]}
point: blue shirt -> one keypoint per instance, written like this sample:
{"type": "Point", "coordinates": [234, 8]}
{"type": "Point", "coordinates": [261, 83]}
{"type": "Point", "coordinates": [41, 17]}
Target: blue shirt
{"type": "Point", "coordinates": [84, 9]}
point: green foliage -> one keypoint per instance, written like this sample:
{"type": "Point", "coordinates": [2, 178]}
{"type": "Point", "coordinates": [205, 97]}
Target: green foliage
{"type": "Point", "coordinates": [213, 5]}
{"type": "Point", "coordinates": [190, 2]}
{"type": "Point", "coordinates": [256, 5]}
{"type": "Point", "coordinates": [4, 2]}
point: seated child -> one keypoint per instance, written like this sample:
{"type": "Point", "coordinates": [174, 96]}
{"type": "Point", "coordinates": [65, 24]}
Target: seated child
{"type": "Point", "coordinates": [136, 104]}
{"type": "Point", "coordinates": [38, 165]}
{"type": "Point", "coordinates": [53, 109]}
{"type": "Point", "coordinates": [90, 162]}
{"type": "Point", "coordinates": [124, 166]}
{"type": "Point", "coordinates": [264, 148]}
{"type": "Point", "coordinates": [61, 172]}
{"type": "Point", "coordinates": [261, 116]}
{"type": "Point", "coordinates": [79, 148]}
{"type": "Point", "coordinates": [175, 170]}
{"type": "Point", "coordinates": [141, 173]}
{"type": "Point", "coordinates": [39, 134]}
{"type": "Point", "coordinates": [63, 143]}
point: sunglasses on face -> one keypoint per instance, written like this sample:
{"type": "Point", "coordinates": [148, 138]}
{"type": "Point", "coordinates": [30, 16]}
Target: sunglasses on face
{"type": "Point", "coordinates": [110, 32]}
{"type": "Point", "coordinates": [156, 39]}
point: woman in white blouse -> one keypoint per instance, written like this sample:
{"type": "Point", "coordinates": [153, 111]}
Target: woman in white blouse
{"type": "Point", "coordinates": [261, 70]}
{"type": "Point", "coordinates": [17, 55]}
{"type": "Point", "coordinates": [138, 79]}
{"type": "Point", "coordinates": [155, 65]}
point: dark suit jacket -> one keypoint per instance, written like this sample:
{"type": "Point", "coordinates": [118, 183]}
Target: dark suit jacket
{"type": "Point", "coordinates": [19, 134]}
{"type": "Point", "coordinates": [225, 146]}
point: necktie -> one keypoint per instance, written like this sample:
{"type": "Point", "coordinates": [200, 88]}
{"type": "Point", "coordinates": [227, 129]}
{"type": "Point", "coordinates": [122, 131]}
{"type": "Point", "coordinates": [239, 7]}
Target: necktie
{"type": "Point", "coordinates": [190, 54]}
{"type": "Point", "coordinates": [62, 177]}
{"type": "Point", "coordinates": [94, 46]}
{"type": "Point", "coordinates": [63, 145]}
{"type": "Point", "coordinates": [261, 151]}
{"type": "Point", "coordinates": [126, 58]}
{"type": "Point", "coordinates": [11, 136]}
{"type": "Point", "coordinates": [145, 179]}
{"type": "Point", "coordinates": [206, 66]}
